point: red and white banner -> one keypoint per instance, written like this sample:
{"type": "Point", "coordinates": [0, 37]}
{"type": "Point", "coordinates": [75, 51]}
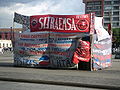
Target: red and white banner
{"type": "Point", "coordinates": [82, 53]}
{"type": "Point", "coordinates": [53, 49]}
{"type": "Point", "coordinates": [60, 23]}
{"type": "Point", "coordinates": [101, 53]}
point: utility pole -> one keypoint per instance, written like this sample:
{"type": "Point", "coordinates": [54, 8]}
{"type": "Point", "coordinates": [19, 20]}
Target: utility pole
{"type": "Point", "coordinates": [110, 15]}
{"type": "Point", "coordinates": [11, 33]}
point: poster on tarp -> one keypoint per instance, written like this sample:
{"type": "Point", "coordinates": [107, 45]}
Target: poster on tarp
{"type": "Point", "coordinates": [22, 19]}
{"type": "Point", "coordinates": [62, 46]}
{"type": "Point", "coordinates": [101, 52]}
{"type": "Point", "coordinates": [30, 47]}
{"type": "Point", "coordinates": [82, 52]}
{"type": "Point", "coordinates": [54, 49]}
{"type": "Point", "coordinates": [60, 23]}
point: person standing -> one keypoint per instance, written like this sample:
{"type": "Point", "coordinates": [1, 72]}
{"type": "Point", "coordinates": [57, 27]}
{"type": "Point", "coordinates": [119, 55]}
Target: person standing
{"type": "Point", "coordinates": [1, 50]}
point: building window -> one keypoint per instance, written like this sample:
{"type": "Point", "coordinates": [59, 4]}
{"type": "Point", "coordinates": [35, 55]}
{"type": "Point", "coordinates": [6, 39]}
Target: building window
{"type": "Point", "coordinates": [97, 2]}
{"type": "Point", "coordinates": [116, 7]}
{"type": "Point", "coordinates": [115, 24]}
{"type": "Point", "coordinates": [116, 2]}
{"type": "Point", "coordinates": [3, 45]}
{"type": "Point", "coordinates": [90, 3]}
{"type": "Point", "coordinates": [98, 7]}
{"type": "Point", "coordinates": [98, 13]}
{"type": "Point", "coordinates": [10, 45]}
{"type": "Point", "coordinates": [107, 19]}
{"type": "Point", "coordinates": [7, 45]}
{"type": "Point", "coordinates": [115, 13]}
{"type": "Point", "coordinates": [89, 8]}
{"type": "Point", "coordinates": [106, 13]}
{"type": "Point", "coordinates": [107, 2]}
{"type": "Point", "coordinates": [115, 18]}
{"type": "Point", "coordinates": [108, 7]}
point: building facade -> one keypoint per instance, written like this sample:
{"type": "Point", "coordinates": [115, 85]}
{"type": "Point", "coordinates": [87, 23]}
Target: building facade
{"type": "Point", "coordinates": [94, 6]}
{"type": "Point", "coordinates": [112, 13]}
{"type": "Point", "coordinates": [5, 44]}
{"type": "Point", "coordinates": [6, 34]}
{"type": "Point", "coordinates": [108, 9]}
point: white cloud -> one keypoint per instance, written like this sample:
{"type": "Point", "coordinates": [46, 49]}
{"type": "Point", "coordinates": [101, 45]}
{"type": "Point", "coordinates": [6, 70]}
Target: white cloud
{"type": "Point", "coordinates": [37, 7]}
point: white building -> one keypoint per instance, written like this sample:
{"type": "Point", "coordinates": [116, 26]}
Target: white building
{"type": "Point", "coordinates": [6, 35]}
{"type": "Point", "coordinates": [5, 43]}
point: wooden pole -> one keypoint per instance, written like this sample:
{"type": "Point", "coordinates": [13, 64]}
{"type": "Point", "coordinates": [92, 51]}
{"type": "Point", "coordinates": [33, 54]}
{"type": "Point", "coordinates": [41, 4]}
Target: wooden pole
{"type": "Point", "coordinates": [91, 60]}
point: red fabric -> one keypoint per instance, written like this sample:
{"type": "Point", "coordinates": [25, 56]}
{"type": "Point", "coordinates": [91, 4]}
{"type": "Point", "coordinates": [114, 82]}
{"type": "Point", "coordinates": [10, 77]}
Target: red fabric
{"type": "Point", "coordinates": [109, 29]}
{"type": "Point", "coordinates": [82, 53]}
{"type": "Point", "coordinates": [60, 23]}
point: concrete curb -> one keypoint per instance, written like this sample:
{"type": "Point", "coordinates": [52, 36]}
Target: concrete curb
{"type": "Point", "coordinates": [60, 83]}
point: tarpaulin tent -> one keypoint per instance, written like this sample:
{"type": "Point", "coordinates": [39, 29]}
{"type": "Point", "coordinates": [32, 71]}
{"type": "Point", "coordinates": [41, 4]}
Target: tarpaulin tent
{"type": "Point", "coordinates": [62, 41]}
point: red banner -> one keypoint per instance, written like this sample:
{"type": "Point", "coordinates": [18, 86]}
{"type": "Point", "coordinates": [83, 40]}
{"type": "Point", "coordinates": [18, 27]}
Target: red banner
{"type": "Point", "coordinates": [60, 23]}
{"type": "Point", "coordinates": [82, 53]}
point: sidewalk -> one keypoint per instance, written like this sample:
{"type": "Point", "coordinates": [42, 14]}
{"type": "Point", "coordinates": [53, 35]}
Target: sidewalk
{"type": "Point", "coordinates": [105, 79]}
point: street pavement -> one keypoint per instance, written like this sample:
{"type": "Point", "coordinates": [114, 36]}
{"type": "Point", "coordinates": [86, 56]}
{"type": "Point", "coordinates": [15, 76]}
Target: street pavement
{"type": "Point", "coordinates": [108, 78]}
{"type": "Point", "coordinates": [5, 85]}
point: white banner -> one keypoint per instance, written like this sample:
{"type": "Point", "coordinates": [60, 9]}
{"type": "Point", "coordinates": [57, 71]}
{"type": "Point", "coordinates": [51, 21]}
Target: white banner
{"type": "Point", "coordinates": [45, 49]}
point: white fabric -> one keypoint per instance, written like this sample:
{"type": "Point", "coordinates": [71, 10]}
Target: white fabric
{"type": "Point", "coordinates": [101, 32]}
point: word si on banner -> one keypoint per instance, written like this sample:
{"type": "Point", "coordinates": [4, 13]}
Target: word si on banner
{"type": "Point", "coordinates": [60, 23]}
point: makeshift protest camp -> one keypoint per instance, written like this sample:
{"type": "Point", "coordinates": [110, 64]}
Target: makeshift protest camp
{"type": "Point", "coordinates": [62, 41]}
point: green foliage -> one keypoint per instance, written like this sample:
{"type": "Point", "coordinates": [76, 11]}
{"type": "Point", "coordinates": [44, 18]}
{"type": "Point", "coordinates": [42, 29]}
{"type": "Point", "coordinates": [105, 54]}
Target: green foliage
{"type": "Point", "coordinates": [116, 33]}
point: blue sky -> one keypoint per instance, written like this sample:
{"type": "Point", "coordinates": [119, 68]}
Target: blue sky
{"type": "Point", "coordinates": [37, 7]}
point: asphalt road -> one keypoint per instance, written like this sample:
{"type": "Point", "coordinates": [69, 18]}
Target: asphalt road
{"type": "Point", "coordinates": [108, 78]}
{"type": "Point", "coordinates": [4, 85]}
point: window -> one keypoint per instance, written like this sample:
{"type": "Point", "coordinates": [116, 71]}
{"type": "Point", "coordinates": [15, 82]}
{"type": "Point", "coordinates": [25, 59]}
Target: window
{"type": "Point", "coordinates": [115, 24]}
{"type": "Point", "coordinates": [108, 7]}
{"type": "Point", "coordinates": [116, 2]}
{"type": "Point", "coordinates": [107, 2]}
{"type": "Point", "coordinates": [98, 7]}
{"type": "Point", "coordinates": [89, 8]}
{"type": "Point", "coordinates": [115, 18]}
{"type": "Point", "coordinates": [106, 13]}
{"type": "Point", "coordinates": [97, 2]}
{"type": "Point", "coordinates": [115, 13]}
{"type": "Point", "coordinates": [116, 7]}
{"type": "Point", "coordinates": [10, 45]}
{"type": "Point", "coordinates": [90, 3]}
{"type": "Point", "coordinates": [7, 45]}
{"type": "Point", "coordinates": [3, 45]}
{"type": "Point", "coordinates": [107, 19]}
{"type": "Point", "coordinates": [98, 13]}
